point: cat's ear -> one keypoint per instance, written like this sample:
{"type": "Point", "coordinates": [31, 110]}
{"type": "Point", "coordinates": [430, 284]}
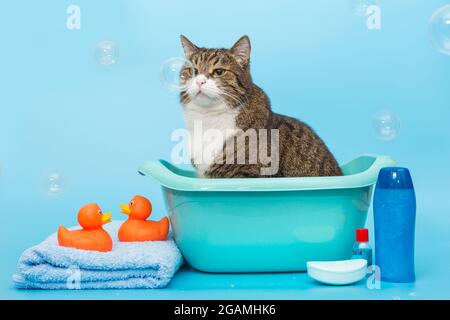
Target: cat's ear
{"type": "Point", "coordinates": [241, 50]}
{"type": "Point", "coordinates": [188, 47]}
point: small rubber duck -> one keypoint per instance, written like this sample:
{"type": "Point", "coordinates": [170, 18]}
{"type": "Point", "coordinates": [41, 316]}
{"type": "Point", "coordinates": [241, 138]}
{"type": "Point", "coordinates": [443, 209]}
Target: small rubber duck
{"type": "Point", "coordinates": [92, 236]}
{"type": "Point", "coordinates": [137, 227]}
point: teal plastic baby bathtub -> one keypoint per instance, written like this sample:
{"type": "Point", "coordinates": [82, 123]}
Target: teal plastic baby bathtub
{"type": "Point", "coordinates": [266, 224]}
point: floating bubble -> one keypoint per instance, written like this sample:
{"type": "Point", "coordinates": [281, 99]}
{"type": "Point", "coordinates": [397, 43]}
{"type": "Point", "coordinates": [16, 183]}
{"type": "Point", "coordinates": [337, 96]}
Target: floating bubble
{"type": "Point", "coordinates": [439, 29]}
{"type": "Point", "coordinates": [386, 125]}
{"type": "Point", "coordinates": [359, 7]}
{"type": "Point", "coordinates": [175, 72]}
{"type": "Point", "coordinates": [107, 53]}
{"type": "Point", "coordinates": [54, 183]}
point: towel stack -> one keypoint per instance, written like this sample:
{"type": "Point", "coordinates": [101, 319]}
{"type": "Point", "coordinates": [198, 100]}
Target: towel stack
{"type": "Point", "coordinates": [130, 265]}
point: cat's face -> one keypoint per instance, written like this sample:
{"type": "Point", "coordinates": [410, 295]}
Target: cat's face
{"type": "Point", "coordinates": [221, 76]}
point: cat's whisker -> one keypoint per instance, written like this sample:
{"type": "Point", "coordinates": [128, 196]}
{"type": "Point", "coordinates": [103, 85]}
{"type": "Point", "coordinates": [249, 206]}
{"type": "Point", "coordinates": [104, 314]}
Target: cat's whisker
{"type": "Point", "coordinates": [239, 101]}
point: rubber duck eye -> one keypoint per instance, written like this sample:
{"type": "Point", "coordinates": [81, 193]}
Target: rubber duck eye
{"type": "Point", "coordinates": [218, 72]}
{"type": "Point", "coordinates": [99, 211]}
{"type": "Point", "coordinates": [131, 203]}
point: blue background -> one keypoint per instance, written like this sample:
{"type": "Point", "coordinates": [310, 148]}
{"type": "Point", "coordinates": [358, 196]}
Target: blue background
{"type": "Point", "coordinates": [63, 112]}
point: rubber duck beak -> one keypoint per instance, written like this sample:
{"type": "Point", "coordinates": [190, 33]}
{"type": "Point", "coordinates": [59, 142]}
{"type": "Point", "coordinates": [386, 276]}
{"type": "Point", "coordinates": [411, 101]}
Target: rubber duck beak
{"type": "Point", "coordinates": [125, 208]}
{"type": "Point", "coordinates": [106, 217]}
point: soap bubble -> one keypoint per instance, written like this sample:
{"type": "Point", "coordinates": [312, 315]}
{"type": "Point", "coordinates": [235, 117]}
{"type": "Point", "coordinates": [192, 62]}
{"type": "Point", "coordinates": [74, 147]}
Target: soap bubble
{"type": "Point", "coordinates": [440, 29]}
{"type": "Point", "coordinates": [359, 7]}
{"type": "Point", "coordinates": [54, 183]}
{"type": "Point", "coordinates": [386, 125]}
{"type": "Point", "coordinates": [175, 72]}
{"type": "Point", "coordinates": [107, 53]}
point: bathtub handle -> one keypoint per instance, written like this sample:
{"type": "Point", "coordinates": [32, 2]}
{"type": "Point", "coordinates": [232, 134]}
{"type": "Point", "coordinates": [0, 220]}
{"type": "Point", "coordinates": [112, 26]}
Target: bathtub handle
{"type": "Point", "coordinates": [380, 162]}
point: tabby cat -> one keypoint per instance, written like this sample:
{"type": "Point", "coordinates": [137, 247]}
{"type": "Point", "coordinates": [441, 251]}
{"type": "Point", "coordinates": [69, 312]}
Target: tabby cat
{"type": "Point", "coordinates": [219, 95]}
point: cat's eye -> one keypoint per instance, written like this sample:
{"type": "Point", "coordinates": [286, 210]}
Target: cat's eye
{"type": "Point", "coordinates": [218, 72]}
{"type": "Point", "coordinates": [195, 71]}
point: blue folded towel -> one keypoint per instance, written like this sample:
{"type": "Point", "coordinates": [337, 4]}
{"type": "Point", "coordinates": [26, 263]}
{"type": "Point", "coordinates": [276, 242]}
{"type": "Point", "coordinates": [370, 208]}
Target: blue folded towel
{"type": "Point", "coordinates": [150, 264]}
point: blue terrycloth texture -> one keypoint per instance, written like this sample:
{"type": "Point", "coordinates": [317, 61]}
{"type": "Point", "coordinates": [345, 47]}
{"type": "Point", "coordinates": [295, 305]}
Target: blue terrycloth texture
{"type": "Point", "coordinates": [150, 264]}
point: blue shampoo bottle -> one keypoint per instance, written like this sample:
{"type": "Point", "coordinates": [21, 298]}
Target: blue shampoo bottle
{"type": "Point", "coordinates": [395, 217]}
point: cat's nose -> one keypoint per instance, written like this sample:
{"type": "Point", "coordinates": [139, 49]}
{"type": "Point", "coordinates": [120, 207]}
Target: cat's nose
{"type": "Point", "coordinates": [200, 80]}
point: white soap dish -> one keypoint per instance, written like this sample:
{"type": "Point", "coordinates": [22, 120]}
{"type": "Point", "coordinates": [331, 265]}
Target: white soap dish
{"type": "Point", "coordinates": [337, 272]}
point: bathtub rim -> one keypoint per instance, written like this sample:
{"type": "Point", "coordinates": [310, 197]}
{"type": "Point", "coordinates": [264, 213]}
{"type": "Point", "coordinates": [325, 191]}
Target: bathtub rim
{"type": "Point", "coordinates": [164, 173]}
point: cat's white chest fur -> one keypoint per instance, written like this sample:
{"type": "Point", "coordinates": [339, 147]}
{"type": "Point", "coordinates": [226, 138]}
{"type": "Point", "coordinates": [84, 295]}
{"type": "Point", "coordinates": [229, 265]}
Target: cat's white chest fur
{"type": "Point", "coordinates": [209, 128]}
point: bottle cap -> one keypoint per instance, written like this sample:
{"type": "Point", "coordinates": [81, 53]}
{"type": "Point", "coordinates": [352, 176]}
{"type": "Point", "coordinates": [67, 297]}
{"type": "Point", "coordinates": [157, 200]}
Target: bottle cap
{"type": "Point", "coordinates": [394, 178]}
{"type": "Point", "coordinates": [362, 235]}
